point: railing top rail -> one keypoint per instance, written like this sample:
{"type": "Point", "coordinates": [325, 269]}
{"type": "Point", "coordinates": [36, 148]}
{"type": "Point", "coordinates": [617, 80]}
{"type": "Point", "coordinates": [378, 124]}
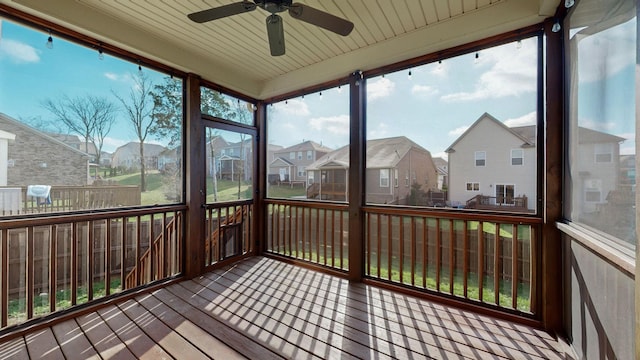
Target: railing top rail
{"type": "Point", "coordinates": [225, 204]}
{"type": "Point", "coordinates": [309, 204]}
{"type": "Point", "coordinates": [79, 216]}
{"type": "Point", "coordinates": [456, 214]}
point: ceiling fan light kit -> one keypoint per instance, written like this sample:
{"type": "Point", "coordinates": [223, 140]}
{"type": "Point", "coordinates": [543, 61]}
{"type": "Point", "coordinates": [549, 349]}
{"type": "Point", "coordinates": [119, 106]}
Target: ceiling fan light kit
{"type": "Point", "coordinates": [275, 28]}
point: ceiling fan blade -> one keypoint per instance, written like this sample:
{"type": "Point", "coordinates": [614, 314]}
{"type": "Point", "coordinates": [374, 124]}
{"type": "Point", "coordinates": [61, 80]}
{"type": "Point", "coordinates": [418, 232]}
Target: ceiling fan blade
{"type": "Point", "coordinates": [222, 11]}
{"type": "Point", "coordinates": [275, 32]}
{"type": "Point", "coordinates": [320, 18]}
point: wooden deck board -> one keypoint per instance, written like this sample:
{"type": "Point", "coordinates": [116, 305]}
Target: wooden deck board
{"type": "Point", "coordinates": [73, 342]}
{"type": "Point", "coordinates": [261, 308]}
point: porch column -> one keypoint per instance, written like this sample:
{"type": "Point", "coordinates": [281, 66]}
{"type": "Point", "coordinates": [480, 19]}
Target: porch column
{"type": "Point", "coordinates": [356, 175]}
{"type": "Point", "coordinates": [551, 248]}
{"type": "Point", "coordinates": [195, 185]}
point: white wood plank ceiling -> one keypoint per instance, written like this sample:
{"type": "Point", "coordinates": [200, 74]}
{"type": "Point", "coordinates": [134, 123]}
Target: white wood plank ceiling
{"type": "Point", "coordinates": [234, 51]}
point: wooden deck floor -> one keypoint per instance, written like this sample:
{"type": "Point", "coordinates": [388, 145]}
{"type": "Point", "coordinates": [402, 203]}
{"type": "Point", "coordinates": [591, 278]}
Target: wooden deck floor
{"type": "Point", "coordinates": [265, 309]}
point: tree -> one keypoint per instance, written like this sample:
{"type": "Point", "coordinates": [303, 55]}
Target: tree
{"type": "Point", "coordinates": [214, 104]}
{"type": "Point", "coordinates": [139, 110]}
{"type": "Point", "coordinates": [167, 111]}
{"type": "Point", "coordinates": [89, 116]}
{"type": "Point", "coordinates": [243, 116]}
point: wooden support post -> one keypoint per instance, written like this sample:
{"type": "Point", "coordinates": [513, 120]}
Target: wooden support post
{"type": "Point", "coordinates": [551, 247]}
{"type": "Point", "coordinates": [195, 186]}
{"type": "Point", "coordinates": [357, 154]}
{"type": "Point", "coordinates": [260, 182]}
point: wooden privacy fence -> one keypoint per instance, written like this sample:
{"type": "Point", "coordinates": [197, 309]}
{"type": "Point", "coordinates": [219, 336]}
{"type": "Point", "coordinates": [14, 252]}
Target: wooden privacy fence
{"type": "Point", "coordinates": [15, 201]}
{"type": "Point", "coordinates": [52, 263]}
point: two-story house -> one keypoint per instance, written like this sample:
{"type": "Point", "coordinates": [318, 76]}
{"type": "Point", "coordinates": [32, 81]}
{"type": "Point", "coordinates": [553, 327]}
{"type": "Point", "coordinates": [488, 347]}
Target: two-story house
{"type": "Point", "coordinates": [489, 174]}
{"type": "Point", "coordinates": [290, 164]}
{"type": "Point", "coordinates": [128, 156]}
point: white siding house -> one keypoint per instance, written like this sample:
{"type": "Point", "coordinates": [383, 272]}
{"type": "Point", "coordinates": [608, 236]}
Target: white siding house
{"type": "Point", "coordinates": [495, 161]}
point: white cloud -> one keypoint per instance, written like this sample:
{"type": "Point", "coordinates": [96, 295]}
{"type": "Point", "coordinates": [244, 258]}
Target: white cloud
{"type": "Point", "coordinates": [18, 52]}
{"type": "Point", "coordinates": [597, 125]}
{"type": "Point", "coordinates": [524, 120]}
{"type": "Point", "coordinates": [511, 73]}
{"type": "Point", "coordinates": [628, 150]}
{"type": "Point", "coordinates": [441, 154]}
{"type": "Point", "coordinates": [110, 144]}
{"type": "Point", "coordinates": [338, 125]}
{"type": "Point", "coordinates": [119, 77]}
{"type": "Point", "coordinates": [441, 69]}
{"type": "Point", "coordinates": [379, 89]}
{"type": "Point", "coordinates": [424, 90]}
{"type": "Point", "coordinates": [607, 53]}
{"type": "Point", "coordinates": [294, 107]}
{"type": "Point", "coordinates": [382, 131]}
{"type": "Point", "coordinates": [458, 131]}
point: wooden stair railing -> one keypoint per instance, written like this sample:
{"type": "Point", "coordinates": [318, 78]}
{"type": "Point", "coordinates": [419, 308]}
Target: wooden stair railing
{"type": "Point", "coordinates": [214, 237]}
{"type": "Point", "coordinates": [145, 263]}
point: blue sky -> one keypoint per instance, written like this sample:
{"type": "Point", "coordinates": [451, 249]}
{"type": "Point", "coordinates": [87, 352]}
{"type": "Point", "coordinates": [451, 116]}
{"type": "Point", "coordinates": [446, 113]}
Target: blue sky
{"type": "Point", "coordinates": [432, 107]}
{"type": "Point", "coordinates": [31, 73]}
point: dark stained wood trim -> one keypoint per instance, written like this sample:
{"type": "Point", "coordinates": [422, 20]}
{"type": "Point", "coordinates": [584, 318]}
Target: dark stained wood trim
{"type": "Point", "coordinates": [261, 167]}
{"type": "Point", "coordinates": [85, 40]}
{"type": "Point", "coordinates": [86, 215]}
{"type": "Point", "coordinates": [345, 81]}
{"type": "Point", "coordinates": [551, 305]}
{"type": "Point", "coordinates": [195, 144]}
{"type": "Point", "coordinates": [496, 40]}
{"type": "Point", "coordinates": [213, 86]}
{"type": "Point", "coordinates": [357, 153]}
{"type": "Point", "coordinates": [454, 214]}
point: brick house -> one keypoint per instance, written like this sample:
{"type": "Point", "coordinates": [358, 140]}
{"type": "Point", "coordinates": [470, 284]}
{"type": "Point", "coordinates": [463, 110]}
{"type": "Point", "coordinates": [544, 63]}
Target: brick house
{"type": "Point", "coordinates": [394, 165]}
{"type": "Point", "coordinates": [34, 157]}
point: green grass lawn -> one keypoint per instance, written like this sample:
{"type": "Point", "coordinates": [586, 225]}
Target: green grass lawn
{"type": "Point", "coordinates": [523, 301]}
{"type": "Point", "coordinates": [18, 307]}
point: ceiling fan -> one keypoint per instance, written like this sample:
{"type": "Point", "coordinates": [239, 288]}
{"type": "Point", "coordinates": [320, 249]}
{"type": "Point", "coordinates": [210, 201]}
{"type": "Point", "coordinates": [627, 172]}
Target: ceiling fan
{"type": "Point", "coordinates": [275, 30]}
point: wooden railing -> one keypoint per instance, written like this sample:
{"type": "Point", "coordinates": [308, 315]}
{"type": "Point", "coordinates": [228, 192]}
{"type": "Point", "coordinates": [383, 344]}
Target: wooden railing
{"type": "Point", "coordinates": [15, 201]}
{"type": "Point", "coordinates": [161, 258]}
{"type": "Point", "coordinates": [484, 259]}
{"type": "Point", "coordinates": [479, 258]}
{"type": "Point", "coordinates": [228, 230]}
{"type": "Point", "coordinates": [53, 263]}
{"type": "Point", "coordinates": [513, 204]}
{"type": "Point", "coordinates": [310, 231]}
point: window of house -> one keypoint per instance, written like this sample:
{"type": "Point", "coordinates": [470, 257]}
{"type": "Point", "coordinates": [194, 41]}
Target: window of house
{"type": "Point", "coordinates": [61, 145]}
{"type": "Point", "coordinates": [473, 186]}
{"type": "Point", "coordinates": [602, 62]}
{"type": "Point", "coordinates": [310, 178]}
{"type": "Point", "coordinates": [301, 172]}
{"type": "Point", "coordinates": [309, 155]}
{"type": "Point", "coordinates": [480, 158]}
{"type": "Point", "coordinates": [384, 177]}
{"type": "Point", "coordinates": [395, 177]}
{"type": "Point", "coordinates": [593, 190]}
{"type": "Point", "coordinates": [299, 155]}
{"type": "Point", "coordinates": [603, 153]}
{"type": "Point", "coordinates": [292, 155]}
{"type": "Point", "coordinates": [517, 157]}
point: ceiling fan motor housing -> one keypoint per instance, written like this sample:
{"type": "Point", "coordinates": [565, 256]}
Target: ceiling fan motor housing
{"type": "Point", "coordinates": [274, 6]}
